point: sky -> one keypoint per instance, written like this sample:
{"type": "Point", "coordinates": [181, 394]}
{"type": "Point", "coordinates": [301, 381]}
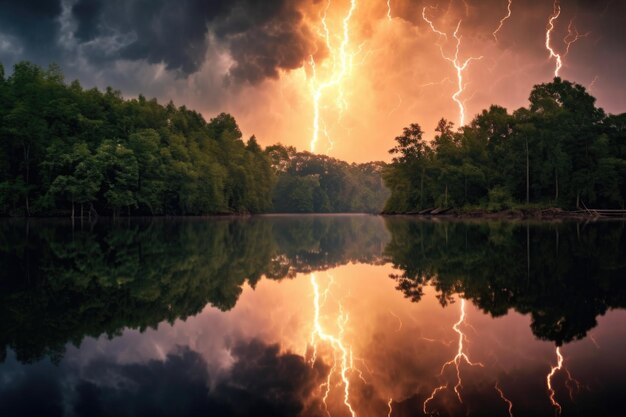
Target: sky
{"type": "Point", "coordinates": [339, 77]}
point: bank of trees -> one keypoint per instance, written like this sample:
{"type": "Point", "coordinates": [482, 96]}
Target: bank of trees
{"type": "Point", "coordinates": [66, 150]}
{"type": "Point", "coordinates": [560, 151]}
{"type": "Point", "coordinates": [308, 183]}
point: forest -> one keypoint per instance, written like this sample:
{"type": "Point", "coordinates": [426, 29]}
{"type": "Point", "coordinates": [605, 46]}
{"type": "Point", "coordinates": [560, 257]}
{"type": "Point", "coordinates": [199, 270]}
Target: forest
{"type": "Point", "coordinates": [69, 151]}
{"type": "Point", "coordinates": [562, 151]}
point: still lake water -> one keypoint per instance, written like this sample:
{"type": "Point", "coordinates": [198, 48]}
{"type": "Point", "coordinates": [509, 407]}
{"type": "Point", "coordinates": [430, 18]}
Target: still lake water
{"type": "Point", "coordinates": [313, 316]}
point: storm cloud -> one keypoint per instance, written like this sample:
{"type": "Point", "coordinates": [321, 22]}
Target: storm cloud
{"type": "Point", "coordinates": [263, 381]}
{"type": "Point", "coordinates": [261, 38]}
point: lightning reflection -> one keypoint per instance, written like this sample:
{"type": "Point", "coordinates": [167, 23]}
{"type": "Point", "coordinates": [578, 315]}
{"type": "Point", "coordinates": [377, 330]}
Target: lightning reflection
{"type": "Point", "coordinates": [456, 362]}
{"type": "Point", "coordinates": [571, 384]}
{"type": "Point", "coordinates": [342, 359]}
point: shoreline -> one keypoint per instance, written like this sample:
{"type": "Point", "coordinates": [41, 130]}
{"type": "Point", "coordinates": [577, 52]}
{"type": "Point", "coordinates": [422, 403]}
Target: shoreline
{"type": "Point", "coordinates": [523, 214]}
{"type": "Point", "coordinates": [433, 214]}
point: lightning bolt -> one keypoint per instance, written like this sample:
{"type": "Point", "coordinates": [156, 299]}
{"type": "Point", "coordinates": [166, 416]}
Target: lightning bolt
{"type": "Point", "coordinates": [459, 358]}
{"type": "Point", "coordinates": [556, 12]}
{"type": "Point", "coordinates": [389, 407]}
{"type": "Point", "coordinates": [572, 36]}
{"type": "Point", "coordinates": [340, 68]}
{"type": "Point", "coordinates": [505, 399]}
{"type": "Point", "coordinates": [504, 19]}
{"type": "Point", "coordinates": [389, 10]}
{"type": "Point", "coordinates": [459, 65]}
{"type": "Point", "coordinates": [342, 354]}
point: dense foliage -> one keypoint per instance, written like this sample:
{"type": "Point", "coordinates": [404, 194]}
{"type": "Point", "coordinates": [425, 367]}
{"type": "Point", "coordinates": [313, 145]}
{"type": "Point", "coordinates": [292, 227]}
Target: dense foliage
{"type": "Point", "coordinates": [309, 183]}
{"type": "Point", "coordinates": [560, 151]}
{"type": "Point", "coordinates": [64, 148]}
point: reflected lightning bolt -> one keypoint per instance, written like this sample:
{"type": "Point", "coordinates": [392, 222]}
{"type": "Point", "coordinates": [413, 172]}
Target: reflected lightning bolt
{"type": "Point", "coordinates": [460, 357]}
{"type": "Point", "coordinates": [342, 354]}
{"type": "Point", "coordinates": [504, 19]}
{"type": "Point", "coordinates": [505, 399]}
{"type": "Point", "coordinates": [553, 371]}
{"type": "Point", "coordinates": [397, 318]}
{"type": "Point", "coordinates": [389, 10]}
{"type": "Point", "coordinates": [459, 65]}
{"type": "Point", "coordinates": [571, 383]}
{"type": "Point", "coordinates": [341, 65]}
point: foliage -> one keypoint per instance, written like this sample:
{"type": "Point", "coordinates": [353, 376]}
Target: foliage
{"type": "Point", "coordinates": [309, 183]}
{"type": "Point", "coordinates": [62, 146]}
{"type": "Point", "coordinates": [561, 151]}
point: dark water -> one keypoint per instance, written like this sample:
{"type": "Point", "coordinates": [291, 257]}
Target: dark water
{"type": "Point", "coordinates": [313, 316]}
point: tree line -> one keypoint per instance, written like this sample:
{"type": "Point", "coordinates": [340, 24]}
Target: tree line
{"type": "Point", "coordinates": [67, 150]}
{"type": "Point", "coordinates": [561, 151]}
{"type": "Point", "coordinates": [308, 183]}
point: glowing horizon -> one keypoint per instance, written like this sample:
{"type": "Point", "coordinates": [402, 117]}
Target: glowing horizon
{"type": "Point", "coordinates": [383, 66]}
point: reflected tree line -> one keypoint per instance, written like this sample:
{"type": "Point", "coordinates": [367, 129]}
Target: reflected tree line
{"type": "Point", "coordinates": [564, 275]}
{"type": "Point", "coordinates": [60, 285]}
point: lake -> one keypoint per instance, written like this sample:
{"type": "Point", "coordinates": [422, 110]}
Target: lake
{"type": "Point", "coordinates": [329, 315]}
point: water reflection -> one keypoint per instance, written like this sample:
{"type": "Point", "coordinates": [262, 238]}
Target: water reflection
{"type": "Point", "coordinates": [113, 321]}
{"type": "Point", "coordinates": [563, 275]}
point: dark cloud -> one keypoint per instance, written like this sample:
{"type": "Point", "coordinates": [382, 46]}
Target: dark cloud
{"type": "Point", "coordinates": [159, 31]}
{"type": "Point", "coordinates": [265, 38]}
{"type": "Point", "coordinates": [263, 381]}
{"type": "Point", "coordinates": [30, 26]}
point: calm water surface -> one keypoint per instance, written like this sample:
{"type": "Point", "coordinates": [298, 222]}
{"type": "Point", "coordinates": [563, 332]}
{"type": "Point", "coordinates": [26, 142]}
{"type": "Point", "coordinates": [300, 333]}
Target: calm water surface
{"type": "Point", "coordinates": [312, 316]}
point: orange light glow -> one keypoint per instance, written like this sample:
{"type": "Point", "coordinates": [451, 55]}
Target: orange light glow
{"type": "Point", "coordinates": [340, 65]}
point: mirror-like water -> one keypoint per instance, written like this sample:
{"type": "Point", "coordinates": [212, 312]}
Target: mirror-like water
{"type": "Point", "coordinates": [312, 316]}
